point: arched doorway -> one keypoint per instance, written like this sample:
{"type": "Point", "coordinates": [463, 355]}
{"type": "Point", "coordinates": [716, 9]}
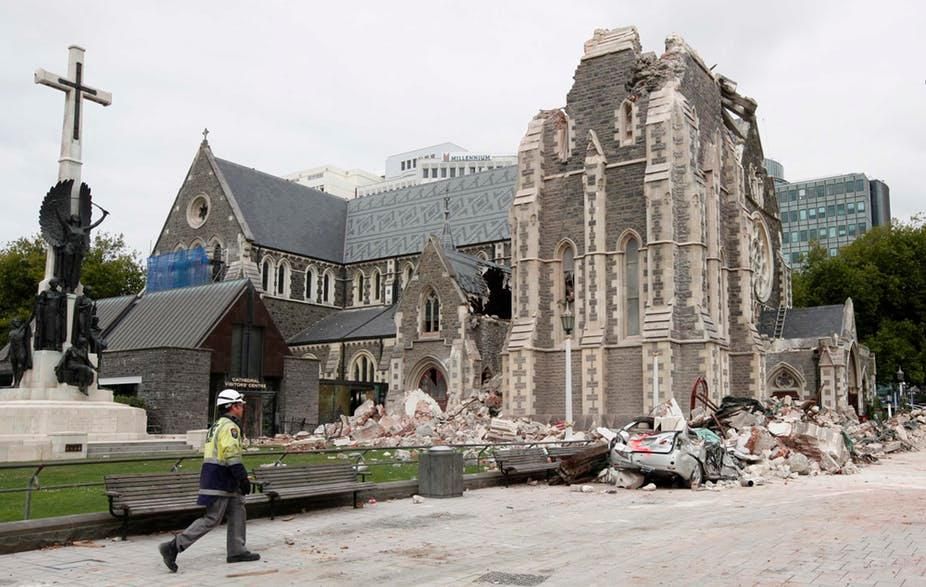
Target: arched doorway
{"type": "Point", "coordinates": [852, 380]}
{"type": "Point", "coordinates": [430, 378]}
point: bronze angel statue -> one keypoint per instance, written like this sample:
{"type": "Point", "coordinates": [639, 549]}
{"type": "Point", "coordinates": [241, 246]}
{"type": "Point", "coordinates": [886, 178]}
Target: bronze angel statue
{"type": "Point", "coordinates": [68, 234]}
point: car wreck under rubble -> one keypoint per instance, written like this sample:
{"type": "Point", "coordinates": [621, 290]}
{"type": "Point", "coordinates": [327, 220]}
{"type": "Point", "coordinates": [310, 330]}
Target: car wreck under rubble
{"type": "Point", "coordinates": [689, 456]}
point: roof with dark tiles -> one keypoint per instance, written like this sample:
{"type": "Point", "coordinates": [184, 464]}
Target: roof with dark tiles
{"type": "Point", "coordinates": [813, 322]}
{"type": "Point", "coordinates": [353, 324]}
{"type": "Point", "coordinates": [179, 318]}
{"type": "Point", "coordinates": [285, 215]}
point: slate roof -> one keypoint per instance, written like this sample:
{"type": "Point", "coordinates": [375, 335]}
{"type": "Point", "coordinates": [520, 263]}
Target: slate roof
{"type": "Point", "coordinates": [285, 215]}
{"type": "Point", "coordinates": [397, 222]}
{"type": "Point", "coordinates": [180, 318]}
{"type": "Point", "coordinates": [109, 309]}
{"type": "Point", "coordinates": [469, 270]}
{"type": "Point", "coordinates": [813, 322]}
{"type": "Point", "coordinates": [354, 324]}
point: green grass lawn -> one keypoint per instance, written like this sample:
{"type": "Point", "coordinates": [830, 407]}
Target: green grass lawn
{"type": "Point", "coordinates": [79, 500]}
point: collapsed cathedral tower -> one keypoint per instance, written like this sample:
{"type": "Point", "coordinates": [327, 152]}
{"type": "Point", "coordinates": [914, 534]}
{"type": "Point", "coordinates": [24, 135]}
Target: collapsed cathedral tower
{"type": "Point", "coordinates": [642, 208]}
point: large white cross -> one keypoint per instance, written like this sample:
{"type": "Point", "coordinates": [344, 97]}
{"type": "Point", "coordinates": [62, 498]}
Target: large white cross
{"type": "Point", "coordinates": [74, 91]}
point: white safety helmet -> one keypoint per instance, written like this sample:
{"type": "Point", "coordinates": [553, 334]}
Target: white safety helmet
{"type": "Point", "coordinates": [227, 397]}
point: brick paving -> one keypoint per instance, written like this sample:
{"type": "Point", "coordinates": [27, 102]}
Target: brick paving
{"type": "Point", "coordinates": [865, 529]}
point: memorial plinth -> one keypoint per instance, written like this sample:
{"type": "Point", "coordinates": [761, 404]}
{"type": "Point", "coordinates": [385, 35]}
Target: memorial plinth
{"type": "Point", "coordinates": [56, 408]}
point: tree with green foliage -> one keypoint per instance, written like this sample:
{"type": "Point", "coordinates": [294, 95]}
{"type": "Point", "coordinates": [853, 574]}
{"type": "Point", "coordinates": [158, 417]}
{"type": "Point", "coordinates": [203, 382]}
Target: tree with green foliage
{"type": "Point", "coordinates": [884, 272]}
{"type": "Point", "coordinates": [109, 269]}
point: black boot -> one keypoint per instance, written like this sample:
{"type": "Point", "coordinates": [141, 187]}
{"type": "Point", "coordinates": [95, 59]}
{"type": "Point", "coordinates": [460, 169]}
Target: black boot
{"type": "Point", "coordinates": [244, 557]}
{"type": "Point", "coordinates": [169, 553]}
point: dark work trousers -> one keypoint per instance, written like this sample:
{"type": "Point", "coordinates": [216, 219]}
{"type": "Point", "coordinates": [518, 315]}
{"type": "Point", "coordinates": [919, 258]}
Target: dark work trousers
{"type": "Point", "coordinates": [233, 507]}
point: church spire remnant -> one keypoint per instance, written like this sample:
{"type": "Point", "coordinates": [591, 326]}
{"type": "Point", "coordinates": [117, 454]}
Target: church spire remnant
{"type": "Point", "coordinates": [446, 237]}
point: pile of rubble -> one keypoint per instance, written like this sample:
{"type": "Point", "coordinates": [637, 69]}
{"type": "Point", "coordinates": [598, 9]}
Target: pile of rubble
{"type": "Point", "coordinates": [782, 439]}
{"type": "Point", "coordinates": [420, 421]}
{"type": "Point", "coordinates": [751, 441]}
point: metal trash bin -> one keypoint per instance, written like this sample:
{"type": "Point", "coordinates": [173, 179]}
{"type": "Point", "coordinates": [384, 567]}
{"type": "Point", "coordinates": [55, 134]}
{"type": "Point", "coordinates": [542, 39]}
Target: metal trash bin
{"type": "Point", "coordinates": [440, 472]}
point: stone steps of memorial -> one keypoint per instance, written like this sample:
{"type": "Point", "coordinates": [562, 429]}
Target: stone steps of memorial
{"type": "Point", "coordinates": [103, 449]}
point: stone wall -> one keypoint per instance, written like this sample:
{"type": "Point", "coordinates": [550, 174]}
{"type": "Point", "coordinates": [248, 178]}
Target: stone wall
{"type": "Point", "coordinates": [490, 341]}
{"type": "Point", "coordinates": [292, 317]}
{"type": "Point", "coordinates": [298, 401]}
{"type": "Point", "coordinates": [174, 384]}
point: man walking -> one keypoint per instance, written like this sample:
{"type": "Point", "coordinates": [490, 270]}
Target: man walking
{"type": "Point", "coordinates": [223, 483]}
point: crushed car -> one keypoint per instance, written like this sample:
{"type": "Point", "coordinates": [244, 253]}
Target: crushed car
{"type": "Point", "coordinates": [687, 455]}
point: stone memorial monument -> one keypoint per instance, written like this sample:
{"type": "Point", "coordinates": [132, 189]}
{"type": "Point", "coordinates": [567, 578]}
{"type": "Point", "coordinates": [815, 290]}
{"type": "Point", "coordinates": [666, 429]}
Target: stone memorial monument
{"type": "Point", "coordinates": [55, 407]}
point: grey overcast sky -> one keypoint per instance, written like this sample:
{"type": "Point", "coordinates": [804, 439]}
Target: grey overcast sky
{"type": "Point", "coordinates": [283, 86]}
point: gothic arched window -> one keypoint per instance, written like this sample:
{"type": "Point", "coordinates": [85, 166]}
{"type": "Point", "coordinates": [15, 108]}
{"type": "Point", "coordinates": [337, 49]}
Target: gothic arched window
{"type": "Point", "coordinates": [430, 321]}
{"type": "Point", "coordinates": [362, 367]}
{"type": "Point", "coordinates": [266, 275]}
{"type": "Point", "coordinates": [359, 286]}
{"type": "Point", "coordinates": [311, 285]}
{"type": "Point", "coordinates": [632, 287]}
{"type": "Point", "coordinates": [283, 286]}
{"type": "Point", "coordinates": [377, 284]}
{"type": "Point", "coordinates": [328, 287]}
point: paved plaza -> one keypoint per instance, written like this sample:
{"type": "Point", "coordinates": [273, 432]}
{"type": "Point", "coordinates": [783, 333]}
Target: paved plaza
{"type": "Point", "coordinates": [865, 529]}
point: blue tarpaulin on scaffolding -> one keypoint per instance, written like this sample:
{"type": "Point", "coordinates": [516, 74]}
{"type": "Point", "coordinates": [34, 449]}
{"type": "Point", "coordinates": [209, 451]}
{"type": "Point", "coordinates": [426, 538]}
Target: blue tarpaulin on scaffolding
{"type": "Point", "coordinates": [184, 268]}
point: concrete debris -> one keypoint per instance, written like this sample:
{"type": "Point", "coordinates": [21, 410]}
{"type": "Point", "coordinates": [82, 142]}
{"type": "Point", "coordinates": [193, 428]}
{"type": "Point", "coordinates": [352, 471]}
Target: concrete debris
{"type": "Point", "coordinates": [622, 478]}
{"type": "Point", "coordinates": [420, 421]}
{"type": "Point", "coordinates": [649, 487]}
{"type": "Point", "coordinates": [780, 439]}
{"type": "Point", "coordinates": [783, 438]}
{"type": "Point", "coordinates": [583, 489]}
{"type": "Point", "coordinates": [417, 499]}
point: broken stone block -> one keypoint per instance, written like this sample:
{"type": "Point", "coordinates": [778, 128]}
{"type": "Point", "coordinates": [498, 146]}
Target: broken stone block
{"type": "Point", "coordinates": [418, 402]}
{"type": "Point", "coordinates": [605, 433]}
{"type": "Point", "coordinates": [892, 446]}
{"type": "Point", "coordinates": [779, 428]}
{"type": "Point", "coordinates": [629, 479]}
{"type": "Point", "coordinates": [649, 487]}
{"type": "Point", "coordinates": [502, 430]}
{"type": "Point", "coordinates": [583, 488]}
{"type": "Point", "coordinates": [424, 430]}
{"type": "Point", "coordinates": [364, 411]}
{"type": "Point", "coordinates": [417, 499]}
{"type": "Point", "coordinates": [368, 431]}
{"type": "Point", "coordinates": [828, 464]}
{"type": "Point", "coordinates": [799, 463]}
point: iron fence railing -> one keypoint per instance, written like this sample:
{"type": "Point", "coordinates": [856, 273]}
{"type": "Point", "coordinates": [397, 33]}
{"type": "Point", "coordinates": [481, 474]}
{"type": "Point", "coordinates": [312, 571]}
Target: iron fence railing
{"type": "Point", "coordinates": [483, 452]}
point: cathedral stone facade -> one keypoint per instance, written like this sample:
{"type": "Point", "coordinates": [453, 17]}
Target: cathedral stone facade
{"type": "Point", "coordinates": [641, 208]}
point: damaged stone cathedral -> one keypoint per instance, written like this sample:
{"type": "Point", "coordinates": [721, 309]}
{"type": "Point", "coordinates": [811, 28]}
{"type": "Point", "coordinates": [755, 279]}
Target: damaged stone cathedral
{"type": "Point", "coordinates": [641, 208]}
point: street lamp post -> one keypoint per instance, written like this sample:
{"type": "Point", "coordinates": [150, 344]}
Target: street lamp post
{"type": "Point", "coordinates": [900, 385]}
{"type": "Point", "coordinates": [569, 321]}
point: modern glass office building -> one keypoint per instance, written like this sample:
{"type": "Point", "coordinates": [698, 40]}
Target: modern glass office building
{"type": "Point", "coordinates": [833, 211]}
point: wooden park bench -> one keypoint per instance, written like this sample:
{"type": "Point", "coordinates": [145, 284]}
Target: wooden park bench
{"type": "Point", "coordinates": [301, 481]}
{"type": "Point", "coordinates": [144, 494]}
{"type": "Point", "coordinates": [519, 461]}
